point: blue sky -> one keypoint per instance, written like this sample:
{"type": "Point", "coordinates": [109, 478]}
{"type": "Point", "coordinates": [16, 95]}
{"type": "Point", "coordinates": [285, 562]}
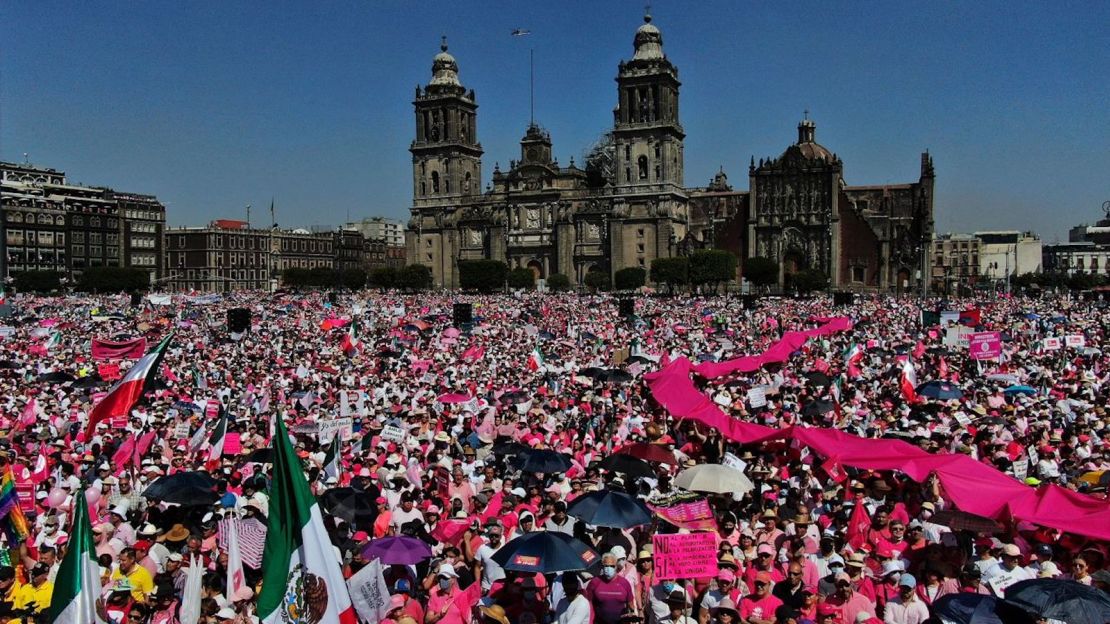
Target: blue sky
{"type": "Point", "coordinates": [215, 105]}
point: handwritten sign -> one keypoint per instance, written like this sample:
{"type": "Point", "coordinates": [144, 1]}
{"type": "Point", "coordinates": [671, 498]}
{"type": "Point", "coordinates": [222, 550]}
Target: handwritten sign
{"type": "Point", "coordinates": [328, 429]}
{"type": "Point", "coordinates": [999, 582]}
{"type": "Point", "coordinates": [686, 556]}
{"type": "Point", "coordinates": [391, 433]}
{"type": "Point", "coordinates": [1021, 469]}
{"type": "Point", "coordinates": [985, 345]}
{"type": "Point", "coordinates": [757, 396]}
{"type": "Point", "coordinates": [732, 461]}
{"type": "Point", "coordinates": [181, 431]}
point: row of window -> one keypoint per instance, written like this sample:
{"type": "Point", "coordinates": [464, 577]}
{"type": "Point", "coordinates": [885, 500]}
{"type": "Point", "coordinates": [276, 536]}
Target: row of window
{"type": "Point", "coordinates": [142, 242]}
{"type": "Point", "coordinates": [35, 237]}
{"type": "Point", "coordinates": [41, 219]}
{"type": "Point", "coordinates": [235, 274]}
{"type": "Point", "coordinates": [147, 215]}
{"type": "Point", "coordinates": [143, 260]}
{"type": "Point", "coordinates": [144, 228]}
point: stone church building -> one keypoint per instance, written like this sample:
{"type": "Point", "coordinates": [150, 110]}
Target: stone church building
{"type": "Point", "coordinates": [630, 205]}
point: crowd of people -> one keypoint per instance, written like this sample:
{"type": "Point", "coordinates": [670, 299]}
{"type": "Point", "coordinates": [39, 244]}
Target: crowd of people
{"type": "Point", "coordinates": [431, 420]}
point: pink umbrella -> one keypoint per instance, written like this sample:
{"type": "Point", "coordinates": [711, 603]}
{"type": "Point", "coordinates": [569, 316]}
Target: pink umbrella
{"type": "Point", "coordinates": [453, 398]}
{"type": "Point", "coordinates": [451, 332]}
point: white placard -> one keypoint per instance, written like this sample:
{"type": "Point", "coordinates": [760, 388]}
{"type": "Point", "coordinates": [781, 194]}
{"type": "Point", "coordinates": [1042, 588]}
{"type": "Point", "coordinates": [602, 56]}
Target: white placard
{"type": "Point", "coordinates": [1051, 343]}
{"type": "Point", "coordinates": [181, 431]}
{"type": "Point", "coordinates": [328, 429]}
{"type": "Point", "coordinates": [391, 433]}
{"type": "Point", "coordinates": [732, 461]}
{"type": "Point", "coordinates": [757, 396]}
{"type": "Point", "coordinates": [1021, 469]}
{"type": "Point", "coordinates": [1075, 341]}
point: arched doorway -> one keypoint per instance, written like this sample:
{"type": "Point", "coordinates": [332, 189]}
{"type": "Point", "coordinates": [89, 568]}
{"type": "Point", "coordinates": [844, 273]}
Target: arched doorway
{"type": "Point", "coordinates": [537, 269]}
{"type": "Point", "coordinates": [793, 261]}
{"type": "Point", "coordinates": [903, 284]}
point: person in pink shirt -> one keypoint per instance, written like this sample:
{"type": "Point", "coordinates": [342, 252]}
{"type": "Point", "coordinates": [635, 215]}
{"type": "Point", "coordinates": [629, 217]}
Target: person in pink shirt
{"type": "Point", "coordinates": [442, 606]}
{"type": "Point", "coordinates": [759, 608]}
{"type": "Point", "coordinates": [850, 602]}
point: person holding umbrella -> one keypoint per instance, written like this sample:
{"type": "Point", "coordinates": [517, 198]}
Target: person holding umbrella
{"type": "Point", "coordinates": [574, 606]}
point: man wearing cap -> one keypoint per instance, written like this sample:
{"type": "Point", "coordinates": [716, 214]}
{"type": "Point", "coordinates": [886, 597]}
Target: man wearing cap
{"type": "Point", "coordinates": [724, 588]}
{"type": "Point", "coordinates": [442, 606]}
{"type": "Point", "coordinates": [1008, 571]}
{"type": "Point", "coordinates": [35, 596]}
{"type": "Point", "coordinates": [122, 530]}
{"type": "Point", "coordinates": [850, 602]}
{"type": "Point", "coordinates": [759, 607]}
{"type": "Point", "coordinates": [764, 562]}
{"type": "Point", "coordinates": [906, 607]}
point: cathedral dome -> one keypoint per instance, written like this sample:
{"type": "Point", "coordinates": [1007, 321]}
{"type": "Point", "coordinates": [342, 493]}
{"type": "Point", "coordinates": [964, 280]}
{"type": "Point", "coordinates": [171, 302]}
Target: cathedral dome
{"type": "Point", "coordinates": [649, 42]}
{"type": "Point", "coordinates": [807, 144]}
{"type": "Point", "coordinates": [445, 71]}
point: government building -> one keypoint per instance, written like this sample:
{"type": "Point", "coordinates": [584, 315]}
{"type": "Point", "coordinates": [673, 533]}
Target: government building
{"type": "Point", "coordinates": [628, 204]}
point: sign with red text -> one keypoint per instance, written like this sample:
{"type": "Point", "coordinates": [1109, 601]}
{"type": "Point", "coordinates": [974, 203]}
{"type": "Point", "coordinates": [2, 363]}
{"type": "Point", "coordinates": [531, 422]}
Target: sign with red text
{"type": "Point", "coordinates": [685, 555]}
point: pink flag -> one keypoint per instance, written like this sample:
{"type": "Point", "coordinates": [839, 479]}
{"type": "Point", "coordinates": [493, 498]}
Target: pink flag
{"type": "Point", "coordinates": [123, 455]}
{"type": "Point", "coordinates": [28, 417]}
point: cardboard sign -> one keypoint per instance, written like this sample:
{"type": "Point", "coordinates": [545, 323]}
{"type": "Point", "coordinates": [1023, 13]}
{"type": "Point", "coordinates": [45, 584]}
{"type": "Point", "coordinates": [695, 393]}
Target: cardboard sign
{"type": "Point", "coordinates": [181, 431]}
{"type": "Point", "coordinates": [108, 371]}
{"type": "Point", "coordinates": [985, 346]}
{"type": "Point", "coordinates": [1021, 469]}
{"type": "Point", "coordinates": [999, 582]}
{"type": "Point", "coordinates": [328, 429]}
{"type": "Point", "coordinates": [686, 556]}
{"type": "Point", "coordinates": [393, 434]}
{"type": "Point", "coordinates": [26, 494]}
{"type": "Point", "coordinates": [957, 337]}
{"type": "Point", "coordinates": [732, 461]}
{"type": "Point", "coordinates": [757, 396]}
{"type": "Point", "coordinates": [1052, 343]}
{"type": "Point", "coordinates": [1075, 341]}
{"type": "Point", "coordinates": [962, 418]}
{"type": "Point", "coordinates": [232, 444]}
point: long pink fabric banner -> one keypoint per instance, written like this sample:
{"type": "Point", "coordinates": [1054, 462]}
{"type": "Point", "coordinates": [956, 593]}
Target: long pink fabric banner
{"type": "Point", "coordinates": [790, 342]}
{"type": "Point", "coordinates": [973, 486]}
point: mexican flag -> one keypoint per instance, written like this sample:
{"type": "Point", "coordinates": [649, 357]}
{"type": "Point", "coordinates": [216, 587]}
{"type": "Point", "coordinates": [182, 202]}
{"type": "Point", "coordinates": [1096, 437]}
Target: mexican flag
{"type": "Point", "coordinates": [909, 381]}
{"type": "Point", "coordinates": [77, 586]}
{"type": "Point", "coordinates": [852, 357]}
{"type": "Point", "coordinates": [127, 391]}
{"type": "Point", "coordinates": [535, 360]}
{"type": "Point", "coordinates": [216, 442]}
{"type": "Point", "coordinates": [301, 579]}
{"type": "Point", "coordinates": [351, 343]}
{"type": "Point", "coordinates": [54, 340]}
{"type": "Point", "coordinates": [331, 459]}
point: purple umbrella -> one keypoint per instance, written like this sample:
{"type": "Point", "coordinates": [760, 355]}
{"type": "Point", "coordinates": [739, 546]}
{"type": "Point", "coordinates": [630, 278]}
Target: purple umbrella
{"type": "Point", "coordinates": [402, 550]}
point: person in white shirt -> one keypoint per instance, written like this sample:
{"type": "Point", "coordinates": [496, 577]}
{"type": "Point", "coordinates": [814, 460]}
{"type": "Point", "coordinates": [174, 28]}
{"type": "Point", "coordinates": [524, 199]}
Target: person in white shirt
{"type": "Point", "coordinates": [1010, 565]}
{"type": "Point", "coordinates": [573, 607]}
{"type": "Point", "coordinates": [906, 608]}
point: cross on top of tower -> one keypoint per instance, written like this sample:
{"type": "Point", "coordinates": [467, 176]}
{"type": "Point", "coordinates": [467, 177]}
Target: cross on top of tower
{"type": "Point", "coordinates": [443, 43]}
{"type": "Point", "coordinates": [805, 114]}
{"type": "Point", "coordinates": [647, 13]}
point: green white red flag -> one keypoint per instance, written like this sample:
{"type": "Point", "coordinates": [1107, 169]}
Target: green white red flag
{"type": "Point", "coordinates": [77, 586]}
{"type": "Point", "coordinates": [127, 391]}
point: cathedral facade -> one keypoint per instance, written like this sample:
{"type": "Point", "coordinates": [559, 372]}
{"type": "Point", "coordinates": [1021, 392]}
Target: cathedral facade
{"type": "Point", "coordinates": [629, 205]}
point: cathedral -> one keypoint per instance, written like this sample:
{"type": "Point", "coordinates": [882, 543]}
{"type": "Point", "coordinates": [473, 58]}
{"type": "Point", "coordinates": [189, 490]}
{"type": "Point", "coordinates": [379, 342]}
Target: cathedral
{"type": "Point", "coordinates": [628, 204]}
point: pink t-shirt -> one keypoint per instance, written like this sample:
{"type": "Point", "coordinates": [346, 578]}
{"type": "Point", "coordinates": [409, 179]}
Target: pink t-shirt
{"type": "Point", "coordinates": [438, 600]}
{"type": "Point", "coordinates": [761, 608]}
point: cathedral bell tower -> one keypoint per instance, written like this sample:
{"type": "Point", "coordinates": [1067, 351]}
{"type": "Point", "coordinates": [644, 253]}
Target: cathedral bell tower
{"type": "Point", "coordinates": [446, 154]}
{"type": "Point", "coordinates": [646, 130]}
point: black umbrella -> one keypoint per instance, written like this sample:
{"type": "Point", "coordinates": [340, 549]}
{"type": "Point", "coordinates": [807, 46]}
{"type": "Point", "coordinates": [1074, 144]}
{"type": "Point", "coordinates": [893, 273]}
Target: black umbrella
{"type": "Point", "coordinates": [89, 381]}
{"type": "Point", "coordinates": [639, 359]}
{"type": "Point", "coordinates": [609, 508]}
{"type": "Point", "coordinates": [968, 608]}
{"type": "Point", "coordinates": [818, 378]}
{"type": "Point", "coordinates": [56, 377]}
{"type": "Point", "coordinates": [964, 521]}
{"type": "Point", "coordinates": [627, 464]}
{"type": "Point", "coordinates": [1067, 601]}
{"type": "Point", "coordinates": [184, 488]}
{"type": "Point", "coordinates": [352, 505]}
{"type": "Point", "coordinates": [592, 372]}
{"type": "Point", "coordinates": [506, 447]}
{"type": "Point", "coordinates": [545, 552]}
{"type": "Point", "coordinates": [514, 397]}
{"type": "Point", "coordinates": [545, 461]}
{"type": "Point", "coordinates": [820, 407]}
{"type": "Point", "coordinates": [261, 456]}
{"type": "Point", "coordinates": [615, 375]}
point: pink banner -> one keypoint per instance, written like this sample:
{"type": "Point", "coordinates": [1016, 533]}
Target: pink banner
{"type": "Point", "coordinates": [694, 515]}
{"type": "Point", "coordinates": [985, 345]}
{"type": "Point", "coordinates": [126, 350]}
{"type": "Point", "coordinates": [232, 444]}
{"type": "Point", "coordinates": [790, 342]}
{"type": "Point", "coordinates": [973, 486]}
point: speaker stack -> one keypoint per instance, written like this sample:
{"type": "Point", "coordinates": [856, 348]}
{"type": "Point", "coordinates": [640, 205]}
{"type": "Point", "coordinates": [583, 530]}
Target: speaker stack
{"type": "Point", "coordinates": [238, 320]}
{"type": "Point", "coordinates": [626, 307]}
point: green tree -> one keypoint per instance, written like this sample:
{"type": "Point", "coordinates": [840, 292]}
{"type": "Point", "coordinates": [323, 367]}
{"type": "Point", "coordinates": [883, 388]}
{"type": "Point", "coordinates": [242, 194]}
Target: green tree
{"type": "Point", "coordinates": [558, 282]}
{"type": "Point", "coordinates": [113, 279]}
{"type": "Point", "coordinates": [354, 279]}
{"type": "Point", "coordinates": [384, 278]}
{"type": "Point", "coordinates": [522, 278]}
{"type": "Point", "coordinates": [596, 280]}
{"type": "Point", "coordinates": [295, 277]}
{"type": "Point", "coordinates": [482, 275]}
{"type": "Point", "coordinates": [809, 280]}
{"type": "Point", "coordinates": [321, 277]}
{"type": "Point", "coordinates": [629, 278]}
{"type": "Point", "coordinates": [671, 272]}
{"type": "Point", "coordinates": [1082, 281]}
{"type": "Point", "coordinates": [761, 271]}
{"type": "Point", "coordinates": [414, 277]}
{"type": "Point", "coordinates": [710, 267]}
{"type": "Point", "coordinates": [37, 281]}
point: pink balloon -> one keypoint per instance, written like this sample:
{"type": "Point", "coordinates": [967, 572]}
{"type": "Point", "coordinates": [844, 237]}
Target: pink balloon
{"type": "Point", "coordinates": [92, 495]}
{"type": "Point", "coordinates": [56, 497]}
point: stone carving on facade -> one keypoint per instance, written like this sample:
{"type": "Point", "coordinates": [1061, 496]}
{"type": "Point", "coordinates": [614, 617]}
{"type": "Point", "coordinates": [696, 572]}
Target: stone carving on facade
{"type": "Point", "coordinates": [474, 237]}
{"type": "Point", "coordinates": [621, 209]}
{"type": "Point", "coordinates": [533, 219]}
{"type": "Point", "coordinates": [593, 231]}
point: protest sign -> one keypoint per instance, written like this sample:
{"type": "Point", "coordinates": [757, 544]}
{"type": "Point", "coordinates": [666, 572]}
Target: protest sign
{"type": "Point", "coordinates": [757, 396]}
{"type": "Point", "coordinates": [328, 428]}
{"type": "Point", "coordinates": [369, 592]}
{"type": "Point", "coordinates": [181, 431]}
{"type": "Point", "coordinates": [232, 443]}
{"type": "Point", "coordinates": [689, 555]}
{"type": "Point", "coordinates": [1021, 469]}
{"type": "Point", "coordinates": [108, 371]}
{"type": "Point", "coordinates": [732, 461]}
{"type": "Point", "coordinates": [685, 510]}
{"type": "Point", "coordinates": [999, 582]}
{"type": "Point", "coordinates": [1051, 343]}
{"type": "Point", "coordinates": [26, 494]}
{"type": "Point", "coordinates": [1075, 341]}
{"type": "Point", "coordinates": [985, 345]}
{"type": "Point", "coordinates": [957, 337]}
{"type": "Point", "coordinates": [391, 433]}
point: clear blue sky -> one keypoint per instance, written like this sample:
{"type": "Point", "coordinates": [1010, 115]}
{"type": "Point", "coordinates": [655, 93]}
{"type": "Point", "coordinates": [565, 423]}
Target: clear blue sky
{"type": "Point", "coordinates": [214, 105]}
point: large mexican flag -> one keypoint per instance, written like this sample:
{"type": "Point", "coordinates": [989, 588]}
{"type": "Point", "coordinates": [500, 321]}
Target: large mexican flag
{"type": "Point", "coordinates": [77, 586]}
{"type": "Point", "coordinates": [127, 392]}
{"type": "Point", "coordinates": [301, 579]}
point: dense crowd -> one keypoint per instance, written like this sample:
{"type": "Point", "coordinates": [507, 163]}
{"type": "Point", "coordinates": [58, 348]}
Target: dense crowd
{"type": "Point", "coordinates": [440, 417]}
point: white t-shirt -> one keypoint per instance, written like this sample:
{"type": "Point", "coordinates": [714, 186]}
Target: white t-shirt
{"type": "Point", "coordinates": [491, 570]}
{"type": "Point", "coordinates": [576, 611]}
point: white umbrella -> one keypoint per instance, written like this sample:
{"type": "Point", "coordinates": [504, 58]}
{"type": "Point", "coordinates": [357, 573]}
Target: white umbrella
{"type": "Point", "coordinates": [714, 478]}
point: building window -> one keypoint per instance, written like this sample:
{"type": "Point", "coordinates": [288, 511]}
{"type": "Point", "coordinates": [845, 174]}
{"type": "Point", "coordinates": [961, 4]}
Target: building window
{"type": "Point", "coordinates": [78, 220]}
{"type": "Point", "coordinates": [639, 247]}
{"type": "Point", "coordinates": [642, 167]}
{"type": "Point", "coordinates": [94, 221]}
{"type": "Point", "coordinates": [858, 274]}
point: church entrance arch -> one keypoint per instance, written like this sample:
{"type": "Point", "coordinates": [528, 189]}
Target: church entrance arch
{"type": "Point", "coordinates": [793, 262]}
{"type": "Point", "coordinates": [537, 269]}
{"type": "Point", "coordinates": [903, 284]}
